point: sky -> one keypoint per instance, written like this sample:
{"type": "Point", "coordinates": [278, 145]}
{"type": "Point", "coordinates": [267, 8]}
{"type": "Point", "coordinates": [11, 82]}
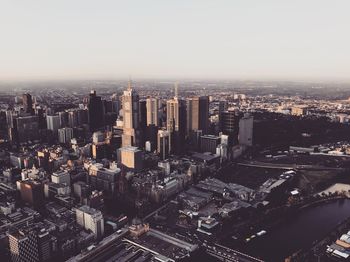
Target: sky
{"type": "Point", "coordinates": [228, 39]}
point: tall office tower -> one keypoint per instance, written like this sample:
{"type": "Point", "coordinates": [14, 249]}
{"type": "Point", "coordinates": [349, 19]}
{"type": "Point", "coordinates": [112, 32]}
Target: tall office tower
{"type": "Point", "coordinates": [27, 103]}
{"type": "Point", "coordinates": [143, 122]}
{"type": "Point", "coordinates": [65, 135]}
{"type": "Point", "coordinates": [223, 106]}
{"type": "Point", "coordinates": [32, 192]}
{"type": "Point", "coordinates": [152, 107]}
{"type": "Point", "coordinates": [30, 243]}
{"type": "Point", "coordinates": [96, 111]}
{"type": "Point", "coordinates": [229, 125]}
{"type": "Point", "coordinates": [176, 123]}
{"type": "Point", "coordinates": [63, 118]}
{"type": "Point", "coordinates": [9, 118]}
{"type": "Point", "coordinates": [116, 105]}
{"type": "Point", "coordinates": [198, 114]}
{"type": "Point", "coordinates": [25, 129]}
{"type": "Point", "coordinates": [91, 219]}
{"type": "Point", "coordinates": [83, 116]}
{"type": "Point", "coordinates": [53, 123]}
{"type": "Point", "coordinates": [131, 132]}
{"type": "Point", "coordinates": [73, 118]}
{"type": "Point", "coordinates": [39, 111]}
{"type": "Point", "coordinates": [245, 135]}
{"type": "Point", "coordinates": [163, 145]}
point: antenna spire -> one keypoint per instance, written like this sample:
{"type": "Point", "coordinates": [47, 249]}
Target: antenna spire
{"type": "Point", "coordinates": [129, 84]}
{"type": "Point", "coordinates": [176, 90]}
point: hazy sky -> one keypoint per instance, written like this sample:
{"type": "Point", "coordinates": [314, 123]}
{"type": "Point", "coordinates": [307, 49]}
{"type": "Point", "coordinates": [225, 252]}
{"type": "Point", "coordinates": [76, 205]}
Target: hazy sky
{"type": "Point", "coordinates": [300, 39]}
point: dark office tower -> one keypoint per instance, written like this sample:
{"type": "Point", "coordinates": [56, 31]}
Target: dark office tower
{"type": "Point", "coordinates": [229, 125]}
{"type": "Point", "coordinates": [27, 103]}
{"type": "Point", "coordinates": [63, 119]}
{"type": "Point", "coordinates": [163, 144]}
{"type": "Point", "coordinates": [96, 111]}
{"type": "Point", "coordinates": [25, 129]}
{"type": "Point", "coordinates": [30, 244]}
{"type": "Point", "coordinates": [198, 114]}
{"type": "Point", "coordinates": [83, 117]}
{"type": "Point", "coordinates": [223, 106]}
{"type": "Point", "coordinates": [116, 104]}
{"type": "Point", "coordinates": [131, 119]}
{"type": "Point", "coordinates": [176, 123]}
{"type": "Point", "coordinates": [41, 117]}
{"type": "Point", "coordinates": [32, 192]}
{"type": "Point", "coordinates": [143, 122]}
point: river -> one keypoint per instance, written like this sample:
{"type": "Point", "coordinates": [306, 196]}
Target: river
{"type": "Point", "coordinates": [299, 231]}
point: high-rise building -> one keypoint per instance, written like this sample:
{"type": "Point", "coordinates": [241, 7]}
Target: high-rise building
{"type": "Point", "coordinates": [223, 106]}
{"type": "Point", "coordinates": [72, 118]}
{"type": "Point", "coordinates": [32, 192]}
{"type": "Point", "coordinates": [229, 125]}
{"type": "Point", "coordinates": [176, 123]}
{"type": "Point", "coordinates": [27, 103]}
{"type": "Point", "coordinates": [152, 107]}
{"type": "Point", "coordinates": [209, 143]}
{"type": "Point", "coordinates": [131, 132]}
{"type": "Point", "coordinates": [53, 123]}
{"type": "Point", "coordinates": [104, 179]}
{"type": "Point", "coordinates": [63, 118]}
{"type": "Point", "coordinates": [142, 122]}
{"type": "Point", "coordinates": [91, 219]}
{"type": "Point", "coordinates": [30, 244]}
{"type": "Point", "coordinates": [65, 135]}
{"type": "Point", "coordinates": [26, 128]}
{"type": "Point", "coordinates": [163, 145]}
{"type": "Point", "coordinates": [131, 158]}
{"type": "Point", "coordinates": [96, 111]}
{"type": "Point", "coordinates": [198, 114]}
{"type": "Point", "coordinates": [245, 135]}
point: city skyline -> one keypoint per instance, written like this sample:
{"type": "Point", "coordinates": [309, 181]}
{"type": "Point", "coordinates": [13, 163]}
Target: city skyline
{"type": "Point", "coordinates": [184, 39]}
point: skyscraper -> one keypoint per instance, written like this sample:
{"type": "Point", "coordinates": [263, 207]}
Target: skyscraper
{"type": "Point", "coordinates": [163, 144]}
{"type": "Point", "coordinates": [53, 123]}
{"type": "Point", "coordinates": [27, 103]}
{"type": "Point", "coordinates": [152, 107]}
{"type": "Point", "coordinates": [65, 135]}
{"type": "Point", "coordinates": [131, 132]}
{"type": "Point", "coordinates": [96, 111]}
{"type": "Point", "coordinates": [176, 123]}
{"type": "Point", "coordinates": [245, 135]}
{"type": "Point", "coordinates": [30, 243]}
{"type": "Point", "coordinates": [25, 129]}
{"type": "Point", "coordinates": [229, 125]}
{"type": "Point", "coordinates": [198, 114]}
